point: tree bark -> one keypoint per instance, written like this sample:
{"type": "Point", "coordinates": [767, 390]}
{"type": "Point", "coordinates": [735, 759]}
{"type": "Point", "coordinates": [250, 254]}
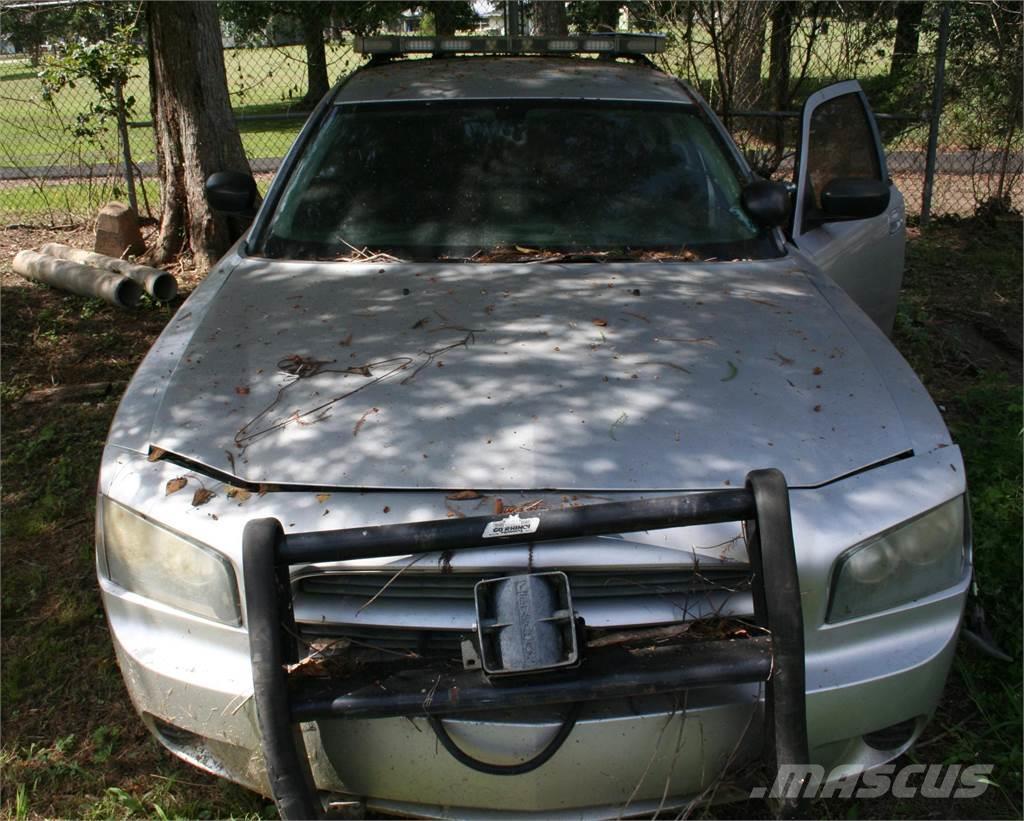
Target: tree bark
{"type": "Point", "coordinates": [446, 18]}
{"type": "Point", "coordinates": [746, 42]}
{"type": "Point", "coordinates": [549, 18]}
{"type": "Point", "coordinates": [608, 16]}
{"type": "Point", "coordinates": [196, 133]}
{"type": "Point", "coordinates": [780, 74]}
{"type": "Point", "coordinates": [908, 28]}
{"type": "Point", "coordinates": [317, 83]}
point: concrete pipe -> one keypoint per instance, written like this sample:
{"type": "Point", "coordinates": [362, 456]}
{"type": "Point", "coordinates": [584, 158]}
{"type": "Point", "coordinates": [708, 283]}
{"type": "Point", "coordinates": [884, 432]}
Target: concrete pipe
{"type": "Point", "coordinates": [158, 284]}
{"type": "Point", "coordinates": [79, 279]}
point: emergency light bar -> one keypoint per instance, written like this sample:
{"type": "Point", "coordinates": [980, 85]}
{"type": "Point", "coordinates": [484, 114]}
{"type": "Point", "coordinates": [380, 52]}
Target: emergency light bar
{"type": "Point", "coordinates": [612, 44]}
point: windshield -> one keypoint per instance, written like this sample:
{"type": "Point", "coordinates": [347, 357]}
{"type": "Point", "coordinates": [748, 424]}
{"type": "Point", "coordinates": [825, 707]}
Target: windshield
{"type": "Point", "coordinates": [528, 179]}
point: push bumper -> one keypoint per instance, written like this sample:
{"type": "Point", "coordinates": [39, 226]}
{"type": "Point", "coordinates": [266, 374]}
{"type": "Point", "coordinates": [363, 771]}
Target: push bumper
{"type": "Point", "coordinates": [775, 659]}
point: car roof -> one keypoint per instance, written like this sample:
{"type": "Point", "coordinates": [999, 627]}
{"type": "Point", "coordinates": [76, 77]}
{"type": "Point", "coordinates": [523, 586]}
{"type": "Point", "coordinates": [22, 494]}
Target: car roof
{"type": "Point", "coordinates": [511, 77]}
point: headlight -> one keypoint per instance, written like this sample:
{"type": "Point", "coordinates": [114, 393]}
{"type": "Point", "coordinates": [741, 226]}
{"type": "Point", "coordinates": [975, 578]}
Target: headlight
{"type": "Point", "coordinates": [157, 563]}
{"type": "Point", "coordinates": [915, 559]}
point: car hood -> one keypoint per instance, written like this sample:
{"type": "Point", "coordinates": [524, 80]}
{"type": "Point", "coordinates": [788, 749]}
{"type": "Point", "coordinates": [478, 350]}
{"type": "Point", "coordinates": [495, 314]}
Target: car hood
{"type": "Point", "coordinates": [623, 377]}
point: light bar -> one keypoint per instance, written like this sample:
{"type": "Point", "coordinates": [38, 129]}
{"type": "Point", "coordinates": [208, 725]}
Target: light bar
{"type": "Point", "coordinates": [614, 44]}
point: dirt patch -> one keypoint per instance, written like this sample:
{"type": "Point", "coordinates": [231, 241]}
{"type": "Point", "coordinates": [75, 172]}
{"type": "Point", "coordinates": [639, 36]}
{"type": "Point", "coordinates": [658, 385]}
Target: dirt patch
{"type": "Point", "coordinates": [962, 290]}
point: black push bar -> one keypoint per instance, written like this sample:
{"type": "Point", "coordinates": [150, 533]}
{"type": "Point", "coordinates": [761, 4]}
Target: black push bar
{"type": "Point", "coordinates": [776, 658]}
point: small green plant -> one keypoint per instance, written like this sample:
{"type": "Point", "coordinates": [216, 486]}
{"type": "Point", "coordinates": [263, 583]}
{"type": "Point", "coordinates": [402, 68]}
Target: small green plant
{"type": "Point", "coordinates": [21, 802]}
{"type": "Point", "coordinates": [91, 307]}
{"type": "Point", "coordinates": [104, 739]}
{"type": "Point", "coordinates": [106, 63]}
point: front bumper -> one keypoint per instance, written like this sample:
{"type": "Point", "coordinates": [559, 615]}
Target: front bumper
{"type": "Point", "coordinates": [192, 680]}
{"type": "Point", "coordinates": [200, 683]}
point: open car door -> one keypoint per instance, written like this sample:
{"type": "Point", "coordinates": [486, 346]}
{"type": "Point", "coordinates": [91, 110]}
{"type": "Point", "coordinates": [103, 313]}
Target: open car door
{"type": "Point", "coordinates": [840, 158]}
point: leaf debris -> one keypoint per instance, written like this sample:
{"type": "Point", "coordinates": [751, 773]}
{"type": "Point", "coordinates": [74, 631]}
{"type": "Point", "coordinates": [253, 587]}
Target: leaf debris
{"type": "Point", "coordinates": [463, 495]}
{"type": "Point", "coordinates": [239, 494]}
{"type": "Point", "coordinates": [174, 485]}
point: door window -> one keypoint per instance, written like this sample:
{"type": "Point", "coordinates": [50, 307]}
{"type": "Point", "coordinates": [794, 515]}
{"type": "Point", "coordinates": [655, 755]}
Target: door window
{"type": "Point", "coordinates": [841, 144]}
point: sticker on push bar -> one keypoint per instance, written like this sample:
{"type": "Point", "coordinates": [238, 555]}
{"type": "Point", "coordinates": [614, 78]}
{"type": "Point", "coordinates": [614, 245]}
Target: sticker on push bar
{"type": "Point", "coordinates": [511, 526]}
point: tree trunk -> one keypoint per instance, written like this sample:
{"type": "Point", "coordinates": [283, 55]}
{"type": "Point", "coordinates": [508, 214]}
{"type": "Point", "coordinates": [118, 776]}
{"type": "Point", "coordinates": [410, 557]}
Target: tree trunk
{"type": "Point", "coordinates": [195, 130]}
{"type": "Point", "coordinates": [317, 84]}
{"type": "Point", "coordinates": [746, 42]}
{"type": "Point", "coordinates": [446, 18]}
{"type": "Point", "coordinates": [779, 74]}
{"type": "Point", "coordinates": [126, 146]}
{"type": "Point", "coordinates": [549, 18]}
{"type": "Point", "coordinates": [908, 27]}
{"type": "Point", "coordinates": [608, 16]}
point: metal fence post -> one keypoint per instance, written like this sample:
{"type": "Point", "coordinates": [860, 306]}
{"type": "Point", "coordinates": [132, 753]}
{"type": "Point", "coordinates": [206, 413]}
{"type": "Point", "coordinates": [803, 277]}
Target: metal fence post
{"type": "Point", "coordinates": [933, 128]}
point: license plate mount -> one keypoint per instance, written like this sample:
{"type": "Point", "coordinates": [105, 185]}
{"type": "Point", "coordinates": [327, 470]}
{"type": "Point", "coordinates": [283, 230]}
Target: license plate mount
{"type": "Point", "coordinates": [526, 624]}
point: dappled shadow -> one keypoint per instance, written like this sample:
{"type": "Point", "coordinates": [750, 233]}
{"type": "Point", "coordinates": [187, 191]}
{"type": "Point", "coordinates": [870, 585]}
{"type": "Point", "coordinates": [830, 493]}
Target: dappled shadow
{"type": "Point", "coordinates": [601, 377]}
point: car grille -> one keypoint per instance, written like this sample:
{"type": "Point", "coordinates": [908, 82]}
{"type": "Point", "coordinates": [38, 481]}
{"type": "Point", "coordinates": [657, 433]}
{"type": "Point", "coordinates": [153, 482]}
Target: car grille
{"type": "Point", "coordinates": [456, 591]}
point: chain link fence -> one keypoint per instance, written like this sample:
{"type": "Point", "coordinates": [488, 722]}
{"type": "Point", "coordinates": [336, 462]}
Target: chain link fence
{"type": "Point", "coordinates": [941, 73]}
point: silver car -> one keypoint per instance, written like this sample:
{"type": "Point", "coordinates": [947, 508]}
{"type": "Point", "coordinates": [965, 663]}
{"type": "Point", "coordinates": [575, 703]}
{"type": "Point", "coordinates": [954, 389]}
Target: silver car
{"type": "Point", "coordinates": [529, 455]}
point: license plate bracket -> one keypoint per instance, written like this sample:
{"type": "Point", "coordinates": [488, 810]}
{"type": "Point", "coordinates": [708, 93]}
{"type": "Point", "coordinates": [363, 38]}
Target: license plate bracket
{"type": "Point", "coordinates": [526, 624]}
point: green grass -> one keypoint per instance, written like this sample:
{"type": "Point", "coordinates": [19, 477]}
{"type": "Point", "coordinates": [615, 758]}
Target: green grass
{"type": "Point", "coordinates": [960, 327]}
{"type": "Point", "coordinates": [55, 202]}
{"type": "Point", "coordinates": [260, 81]}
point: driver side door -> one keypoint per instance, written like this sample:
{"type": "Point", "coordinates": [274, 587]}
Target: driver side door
{"type": "Point", "coordinates": [839, 140]}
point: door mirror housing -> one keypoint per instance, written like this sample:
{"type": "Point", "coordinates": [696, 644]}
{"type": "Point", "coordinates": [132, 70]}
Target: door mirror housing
{"type": "Point", "coordinates": [232, 192]}
{"type": "Point", "coordinates": [767, 202]}
{"type": "Point", "coordinates": [848, 198]}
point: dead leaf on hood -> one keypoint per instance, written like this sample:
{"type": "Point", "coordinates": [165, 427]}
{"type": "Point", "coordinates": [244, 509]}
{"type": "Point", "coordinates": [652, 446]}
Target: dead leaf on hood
{"type": "Point", "coordinates": [346, 341]}
{"type": "Point", "coordinates": [601, 323]}
{"type": "Point", "coordinates": [239, 494]}
{"type": "Point", "coordinates": [463, 495]}
{"type": "Point", "coordinates": [323, 497]}
{"type": "Point", "coordinates": [241, 390]}
{"type": "Point", "coordinates": [174, 485]}
{"type": "Point", "coordinates": [202, 496]}
{"type": "Point", "coordinates": [156, 454]}
{"type": "Point", "coordinates": [817, 371]}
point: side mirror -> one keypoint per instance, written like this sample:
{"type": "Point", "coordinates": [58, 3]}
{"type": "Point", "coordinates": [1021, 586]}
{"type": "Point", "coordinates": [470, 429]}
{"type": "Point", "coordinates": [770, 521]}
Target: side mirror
{"type": "Point", "coordinates": [232, 192]}
{"type": "Point", "coordinates": [767, 202]}
{"type": "Point", "coordinates": [848, 198]}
